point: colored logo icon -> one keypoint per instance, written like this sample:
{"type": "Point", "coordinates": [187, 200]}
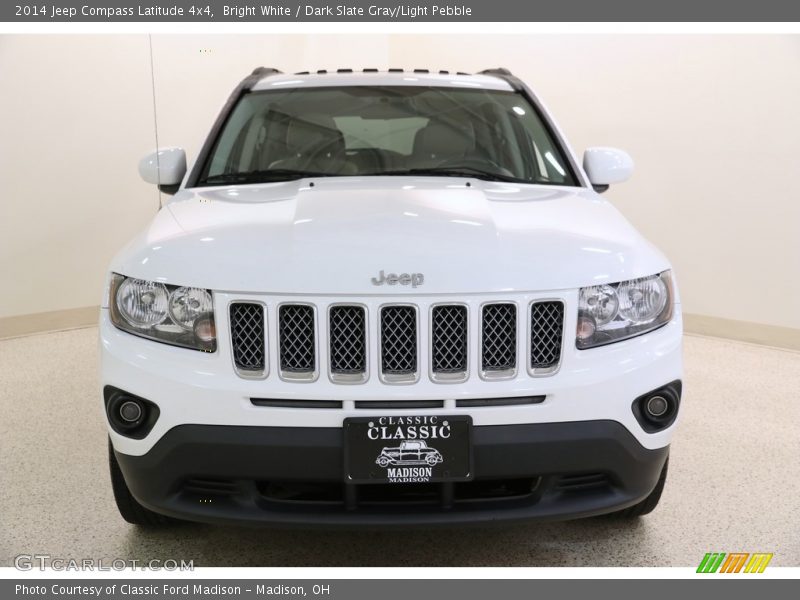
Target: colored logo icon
{"type": "Point", "coordinates": [734, 562]}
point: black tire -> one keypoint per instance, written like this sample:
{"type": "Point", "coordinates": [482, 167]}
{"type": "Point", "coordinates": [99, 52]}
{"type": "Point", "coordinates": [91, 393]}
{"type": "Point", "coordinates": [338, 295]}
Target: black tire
{"type": "Point", "coordinates": [647, 505]}
{"type": "Point", "coordinates": [128, 507]}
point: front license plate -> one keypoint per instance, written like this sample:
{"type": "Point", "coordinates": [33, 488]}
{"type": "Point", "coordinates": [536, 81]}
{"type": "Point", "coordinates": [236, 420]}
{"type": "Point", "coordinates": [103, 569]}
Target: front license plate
{"type": "Point", "coordinates": [408, 449]}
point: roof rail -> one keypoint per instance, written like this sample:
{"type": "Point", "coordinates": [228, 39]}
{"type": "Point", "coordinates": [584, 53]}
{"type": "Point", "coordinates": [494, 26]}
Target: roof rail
{"type": "Point", "coordinates": [497, 72]}
{"type": "Point", "coordinates": [266, 72]}
{"type": "Point", "coordinates": [257, 75]}
{"type": "Point", "coordinates": [515, 82]}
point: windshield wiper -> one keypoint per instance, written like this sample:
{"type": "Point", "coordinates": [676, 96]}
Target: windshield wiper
{"type": "Point", "coordinates": [455, 172]}
{"type": "Point", "coordinates": [262, 176]}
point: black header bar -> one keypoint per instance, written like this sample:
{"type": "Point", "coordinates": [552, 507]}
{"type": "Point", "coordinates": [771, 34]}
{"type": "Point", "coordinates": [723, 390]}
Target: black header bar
{"type": "Point", "coordinates": [205, 11]}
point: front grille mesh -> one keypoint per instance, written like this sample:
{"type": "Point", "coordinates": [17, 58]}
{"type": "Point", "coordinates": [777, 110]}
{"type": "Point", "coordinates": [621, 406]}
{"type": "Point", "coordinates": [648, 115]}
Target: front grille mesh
{"type": "Point", "coordinates": [450, 343]}
{"type": "Point", "coordinates": [398, 340]}
{"type": "Point", "coordinates": [499, 333]}
{"type": "Point", "coordinates": [247, 334]}
{"type": "Point", "coordinates": [296, 335]}
{"type": "Point", "coordinates": [348, 340]}
{"type": "Point", "coordinates": [547, 331]}
{"type": "Point", "coordinates": [449, 339]}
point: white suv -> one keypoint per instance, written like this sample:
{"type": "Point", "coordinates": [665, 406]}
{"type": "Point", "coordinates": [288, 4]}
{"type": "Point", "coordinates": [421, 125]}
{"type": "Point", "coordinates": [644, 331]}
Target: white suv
{"type": "Point", "coordinates": [359, 260]}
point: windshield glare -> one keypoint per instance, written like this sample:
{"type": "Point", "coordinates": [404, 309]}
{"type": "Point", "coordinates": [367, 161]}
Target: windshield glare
{"type": "Point", "coordinates": [385, 130]}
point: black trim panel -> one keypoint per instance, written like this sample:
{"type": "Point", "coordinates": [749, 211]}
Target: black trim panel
{"type": "Point", "coordinates": [250, 456]}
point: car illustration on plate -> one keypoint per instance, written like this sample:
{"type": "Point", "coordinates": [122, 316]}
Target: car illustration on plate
{"type": "Point", "coordinates": [409, 452]}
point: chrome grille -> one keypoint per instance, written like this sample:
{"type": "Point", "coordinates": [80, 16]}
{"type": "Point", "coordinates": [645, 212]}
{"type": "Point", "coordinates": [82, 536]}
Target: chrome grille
{"type": "Point", "coordinates": [398, 342]}
{"type": "Point", "coordinates": [499, 338]}
{"type": "Point", "coordinates": [348, 348]}
{"type": "Point", "coordinates": [547, 331]}
{"type": "Point", "coordinates": [247, 335]}
{"type": "Point", "coordinates": [296, 339]}
{"type": "Point", "coordinates": [449, 340]}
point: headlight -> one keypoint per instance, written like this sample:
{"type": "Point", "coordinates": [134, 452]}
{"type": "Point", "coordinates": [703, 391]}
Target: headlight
{"type": "Point", "coordinates": [181, 316]}
{"type": "Point", "coordinates": [610, 313]}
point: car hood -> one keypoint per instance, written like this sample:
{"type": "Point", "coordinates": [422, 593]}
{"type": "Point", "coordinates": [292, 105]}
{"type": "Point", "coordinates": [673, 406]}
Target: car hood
{"type": "Point", "coordinates": [333, 235]}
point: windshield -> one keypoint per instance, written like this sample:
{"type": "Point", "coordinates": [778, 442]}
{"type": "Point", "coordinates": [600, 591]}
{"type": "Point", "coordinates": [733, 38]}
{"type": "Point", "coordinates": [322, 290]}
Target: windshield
{"type": "Point", "coordinates": [385, 130]}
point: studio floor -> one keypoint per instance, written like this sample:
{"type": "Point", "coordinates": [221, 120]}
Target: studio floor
{"type": "Point", "coordinates": [734, 482]}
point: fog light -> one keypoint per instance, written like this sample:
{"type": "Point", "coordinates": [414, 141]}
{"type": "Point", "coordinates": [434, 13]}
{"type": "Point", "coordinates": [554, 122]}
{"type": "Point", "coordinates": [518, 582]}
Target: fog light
{"type": "Point", "coordinates": [129, 415]}
{"type": "Point", "coordinates": [657, 406]}
{"type": "Point", "coordinates": [130, 411]}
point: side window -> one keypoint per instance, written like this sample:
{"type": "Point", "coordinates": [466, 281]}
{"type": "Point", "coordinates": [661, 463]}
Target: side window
{"type": "Point", "coordinates": [252, 141]}
{"type": "Point", "coordinates": [229, 148]}
{"type": "Point", "coordinates": [548, 164]}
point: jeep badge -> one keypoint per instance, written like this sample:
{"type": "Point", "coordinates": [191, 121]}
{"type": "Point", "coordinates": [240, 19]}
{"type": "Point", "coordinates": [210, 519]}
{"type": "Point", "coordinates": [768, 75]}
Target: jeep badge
{"type": "Point", "coordinates": [414, 279]}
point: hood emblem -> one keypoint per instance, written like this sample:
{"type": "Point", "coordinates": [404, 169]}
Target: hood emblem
{"type": "Point", "coordinates": [412, 279]}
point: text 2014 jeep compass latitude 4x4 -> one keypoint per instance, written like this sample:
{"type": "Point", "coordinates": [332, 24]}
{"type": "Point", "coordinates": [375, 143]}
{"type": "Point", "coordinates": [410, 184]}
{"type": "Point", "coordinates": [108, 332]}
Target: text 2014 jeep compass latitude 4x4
{"type": "Point", "coordinates": [358, 261]}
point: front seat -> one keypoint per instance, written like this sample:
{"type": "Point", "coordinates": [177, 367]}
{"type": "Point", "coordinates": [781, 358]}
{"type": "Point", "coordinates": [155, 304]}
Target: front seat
{"type": "Point", "coordinates": [440, 142]}
{"type": "Point", "coordinates": [313, 143]}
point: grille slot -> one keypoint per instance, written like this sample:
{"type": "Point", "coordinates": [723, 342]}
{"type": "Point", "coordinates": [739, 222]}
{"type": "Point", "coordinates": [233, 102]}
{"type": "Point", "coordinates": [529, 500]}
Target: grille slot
{"type": "Point", "coordinates": [449, 342]}
{"type": "Point", "coordinates": [297, 341]}
{"type": "Point", "coordinates": [283, 403]}
{"type": "Point", "coordinates": [398, 404]}
{"type": "Point", "coordinates": [399, 343]}
{"type": "Point", "coordinates": [547, 332]}
{"type": "Point", "coordinates": [305, 495]}
{"type": "Point", "coordinates": [348, 347]}
{"type": "Point", "coordinates": [499, 340]}
{"type": "Point", "coordinates": [247, 337]}
{"type": "Point", "coordinates": [583, 482]}
{"type": "Point", "coordinates": [210, 487]}
{"type": "Point", "coordinates": [473, 402]}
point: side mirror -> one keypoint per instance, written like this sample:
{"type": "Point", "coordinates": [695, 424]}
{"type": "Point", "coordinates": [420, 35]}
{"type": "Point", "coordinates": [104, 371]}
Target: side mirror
{"type": "Point", "coordinates": [605, 166]}
{"type": "Point", "coordinates": [164, 168]}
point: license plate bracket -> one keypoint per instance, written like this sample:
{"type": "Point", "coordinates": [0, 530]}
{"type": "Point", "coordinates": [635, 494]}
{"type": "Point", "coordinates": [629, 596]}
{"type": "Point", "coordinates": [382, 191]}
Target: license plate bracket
{"type": "Point", "coordinates": [400, 449]}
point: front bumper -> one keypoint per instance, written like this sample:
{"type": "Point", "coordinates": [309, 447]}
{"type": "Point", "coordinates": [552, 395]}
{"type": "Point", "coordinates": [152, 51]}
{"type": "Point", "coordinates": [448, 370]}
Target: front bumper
{"type": "Point", "coordinates": [191, 387]}
{"type": "Point", "coordinates": [289, 476]}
